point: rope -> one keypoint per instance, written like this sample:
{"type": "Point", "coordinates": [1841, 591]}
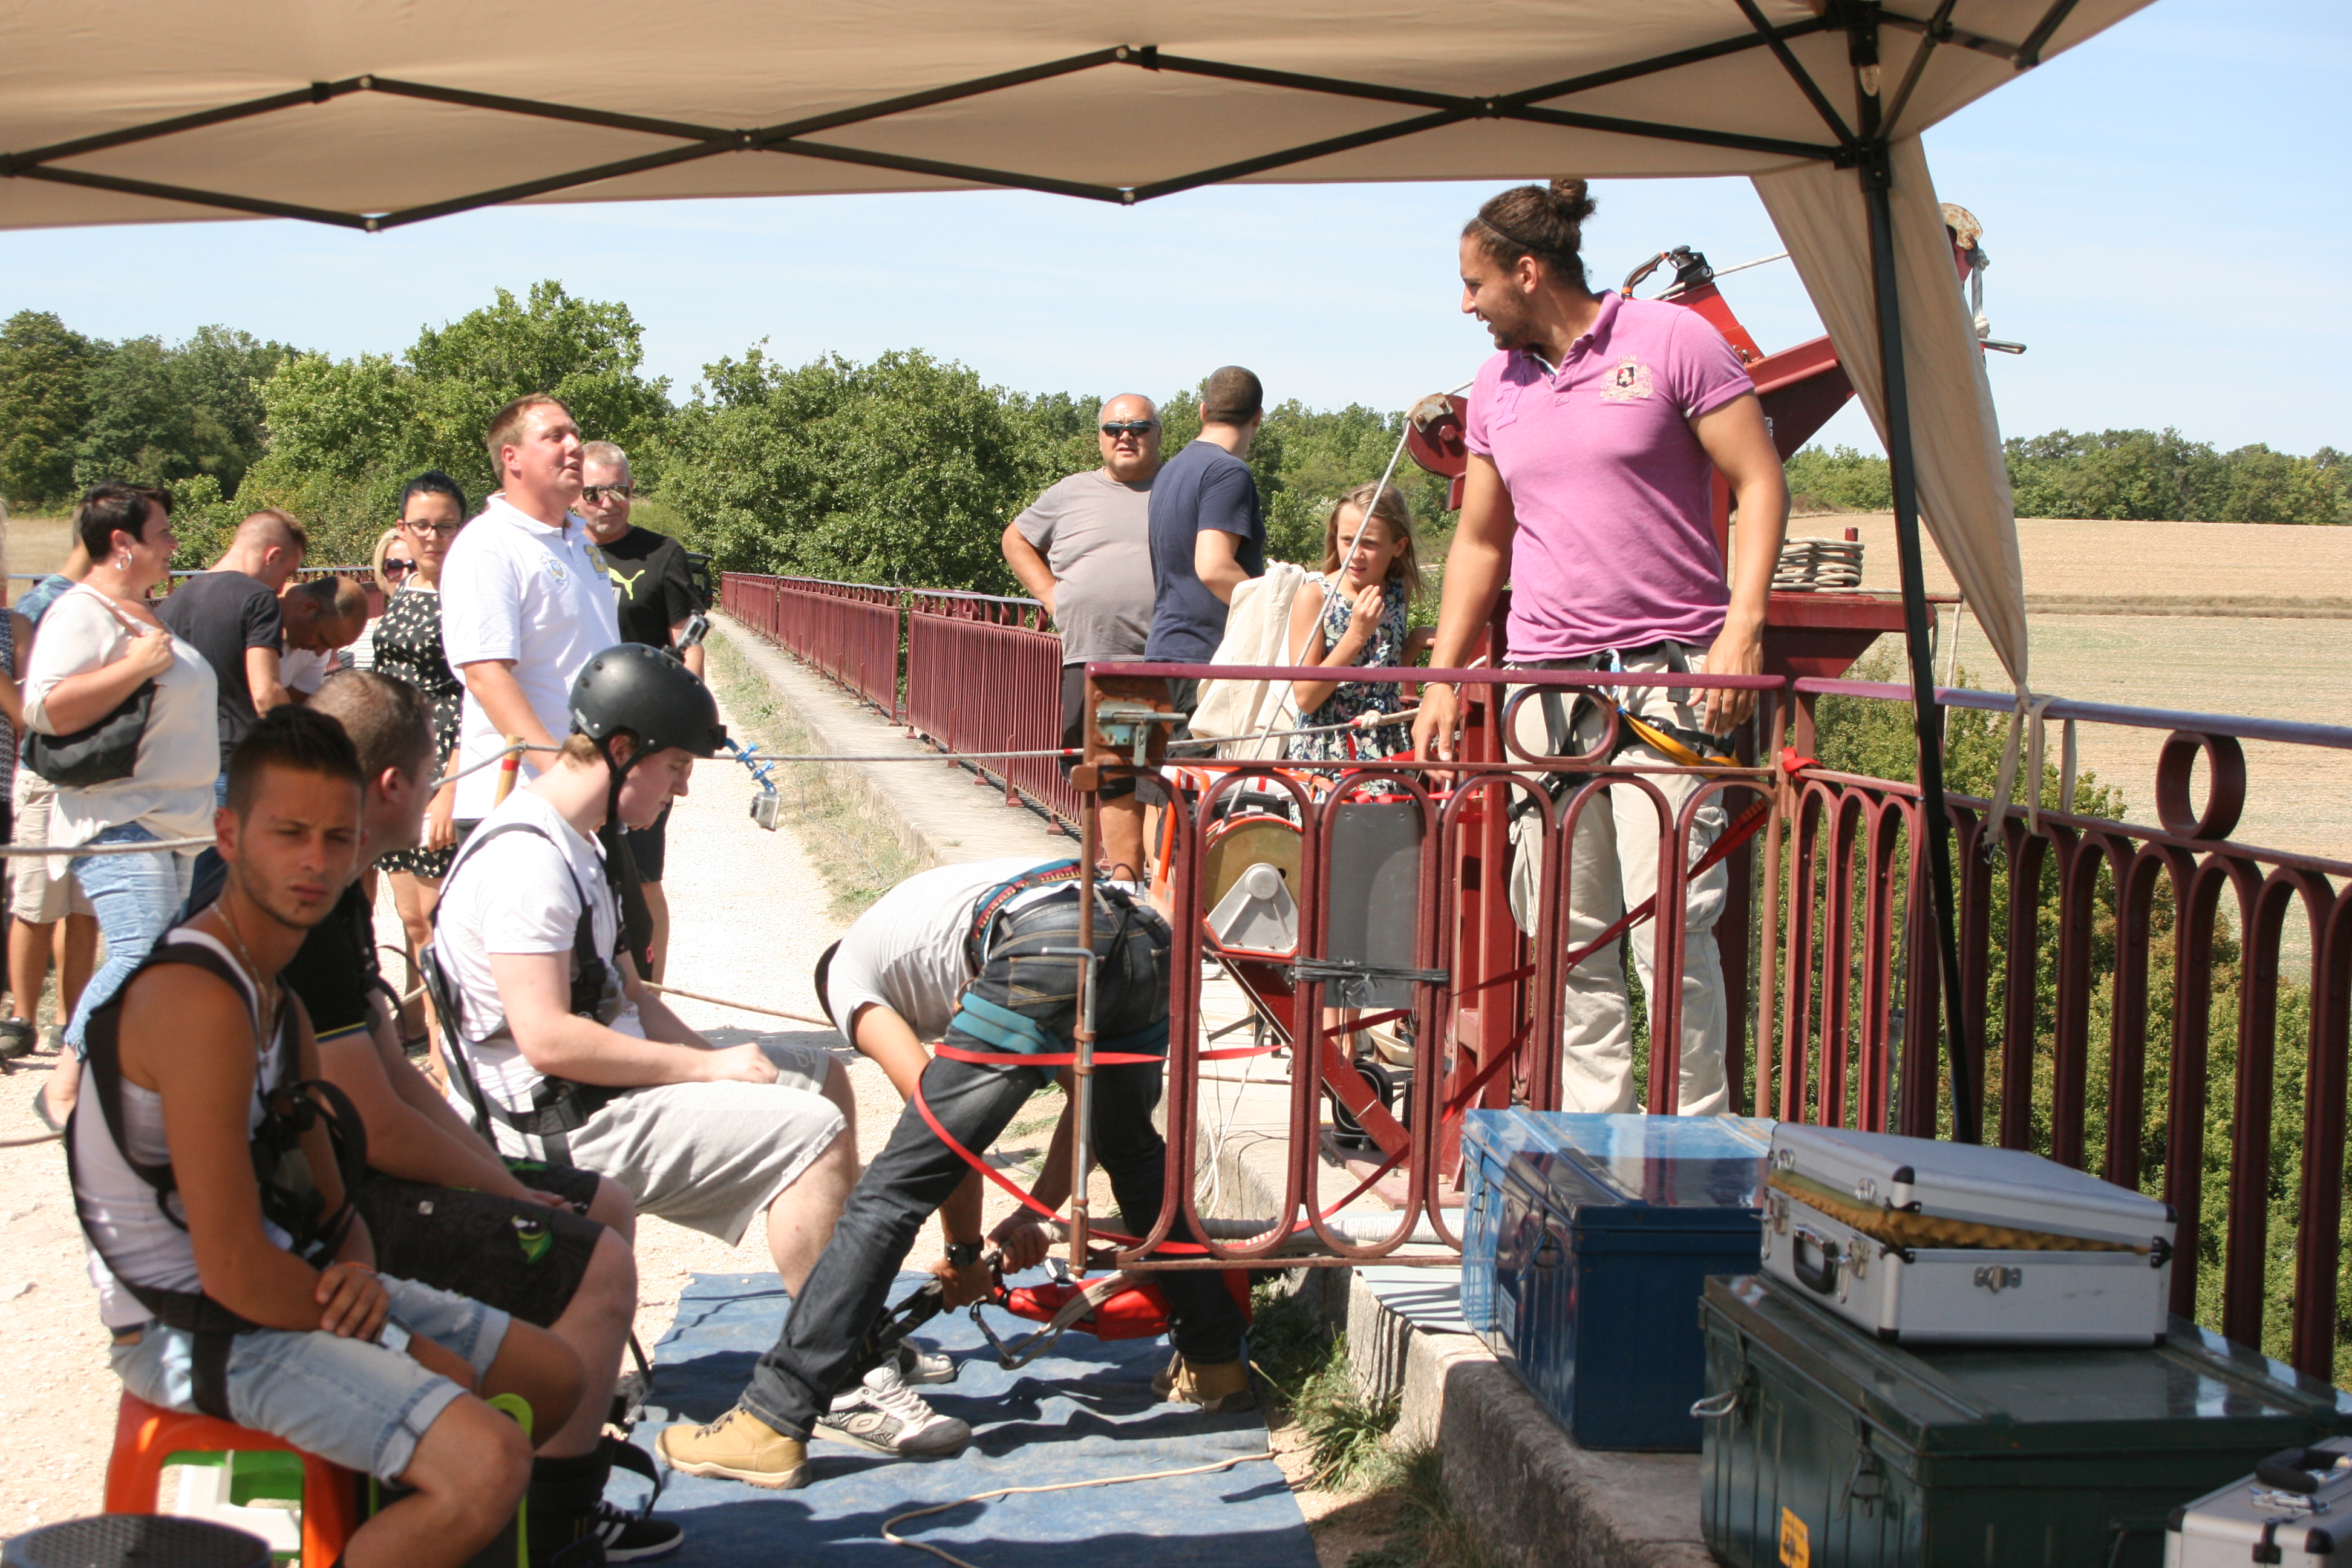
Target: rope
{"type": "Point", "coordinates": [28, 1142]}
{"type": "Point", "coordinates": [737, 1007]}
{"type": "Point", "coordinates": [889, 1526]}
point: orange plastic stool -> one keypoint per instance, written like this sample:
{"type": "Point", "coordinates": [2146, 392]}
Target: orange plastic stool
{"type": "Point", "coordinates": [145, 1438]}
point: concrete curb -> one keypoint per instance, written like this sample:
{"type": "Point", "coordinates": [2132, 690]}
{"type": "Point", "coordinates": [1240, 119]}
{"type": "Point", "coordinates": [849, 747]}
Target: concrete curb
{"type": "Point", "coordinates": [965, 820]}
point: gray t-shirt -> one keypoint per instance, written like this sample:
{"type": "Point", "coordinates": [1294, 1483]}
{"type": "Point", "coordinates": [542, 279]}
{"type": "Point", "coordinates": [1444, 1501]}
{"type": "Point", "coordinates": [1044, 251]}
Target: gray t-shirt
{"type": "Point", "coordinates": [1095, 534]}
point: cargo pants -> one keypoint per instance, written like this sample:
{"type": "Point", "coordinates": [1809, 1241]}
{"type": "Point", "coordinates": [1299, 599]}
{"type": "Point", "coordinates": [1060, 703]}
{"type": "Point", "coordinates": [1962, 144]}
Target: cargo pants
{"type": "Point", "coordinates": [1613, 867]}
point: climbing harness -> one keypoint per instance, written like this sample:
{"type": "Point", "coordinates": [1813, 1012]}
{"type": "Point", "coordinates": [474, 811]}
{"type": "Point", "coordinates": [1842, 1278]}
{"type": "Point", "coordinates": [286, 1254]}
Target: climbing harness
{"type": "Point", "coordinates": [290, 1198]}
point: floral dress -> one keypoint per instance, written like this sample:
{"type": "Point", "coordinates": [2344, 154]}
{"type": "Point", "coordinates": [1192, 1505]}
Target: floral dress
{"type": "Point", "coordinates": [408, 647]}
{"type": "Point", "coordinates": [1353, 699]}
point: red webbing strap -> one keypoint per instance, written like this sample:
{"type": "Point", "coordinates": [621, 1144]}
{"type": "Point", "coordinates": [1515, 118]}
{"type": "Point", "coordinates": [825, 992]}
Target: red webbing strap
{"type": "Point", "coordinates": [1044, 1059]}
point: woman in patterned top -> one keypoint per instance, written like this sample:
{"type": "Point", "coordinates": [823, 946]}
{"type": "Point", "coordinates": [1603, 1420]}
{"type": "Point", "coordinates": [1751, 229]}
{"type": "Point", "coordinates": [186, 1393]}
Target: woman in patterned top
{"type": "Point", "coordinates": [408, 648]}
{"type": "Point", "coordinates": [1362, 624]}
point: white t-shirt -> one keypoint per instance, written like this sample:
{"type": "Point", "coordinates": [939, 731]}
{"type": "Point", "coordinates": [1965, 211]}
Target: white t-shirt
{"type": "Point", "coordinates": [907, 952]}
{"type": "Point", "coordinates": [170, 790]}
{"type": "Point", "coordinates": [305, 669]}
{"type": "Point", "coordinates": [519, 894]}
{"type": "Point", "coordinates": [514, 588]}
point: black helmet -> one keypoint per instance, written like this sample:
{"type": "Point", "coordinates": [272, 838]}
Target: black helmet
{"type": "Point", "coordinates": [652, 696]}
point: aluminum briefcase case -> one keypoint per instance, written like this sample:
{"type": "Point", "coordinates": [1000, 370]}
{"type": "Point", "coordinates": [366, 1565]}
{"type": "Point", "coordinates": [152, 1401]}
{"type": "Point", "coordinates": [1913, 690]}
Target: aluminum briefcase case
{"type": "Point", "coordinates": [1920, 1241]}
{"type": "Point", "coordinates": [1830, 1448]}
{"type": "Point", "coordinates": [2295, 1508]}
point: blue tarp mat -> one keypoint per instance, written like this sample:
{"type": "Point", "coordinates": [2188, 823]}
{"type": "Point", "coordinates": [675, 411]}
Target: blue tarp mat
{"type": "Point", "coordinates": [1083, 1410]}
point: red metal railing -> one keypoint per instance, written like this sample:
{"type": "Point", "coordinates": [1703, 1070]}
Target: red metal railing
{"type": "Point", "coordinates": [984, 675]}
{"type": "Point", "coordinates": [1846, 1014]}
{"type": "Point", "coordinates": [847, 631]}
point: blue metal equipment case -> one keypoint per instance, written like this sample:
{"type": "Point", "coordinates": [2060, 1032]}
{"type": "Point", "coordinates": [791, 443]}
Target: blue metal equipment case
{"type": "Point", "coordinates": [1598, 1233]}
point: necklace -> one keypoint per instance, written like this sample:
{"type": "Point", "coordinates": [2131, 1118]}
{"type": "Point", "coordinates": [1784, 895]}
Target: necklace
{"type": "Point", "coordinates": [265, 1001]}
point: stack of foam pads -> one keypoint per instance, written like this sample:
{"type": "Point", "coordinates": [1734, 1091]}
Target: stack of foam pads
{"type": "Point", "coordinates": [1587, 1241]}
{"type": "Point", "coordinates": [1962, 1355]}
{"type": "Point", "coordinates": [1084, 1412]}
{"type": "Point", "coordinates": [1819, 566]}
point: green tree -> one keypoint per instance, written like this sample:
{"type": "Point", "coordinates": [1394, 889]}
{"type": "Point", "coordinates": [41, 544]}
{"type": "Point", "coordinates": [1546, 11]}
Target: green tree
{"type": "Point", "coordinates": [43, 407]}
{"type": "Point", "coordinates": [346, 435]}
{"type": "Point", "coordinates": [902, 470]}
{"type": "Point", "coordinates": [1838, 479]}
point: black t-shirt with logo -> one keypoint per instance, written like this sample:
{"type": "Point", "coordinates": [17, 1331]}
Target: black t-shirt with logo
{"type": "Point", "coordinates": [652, 587]}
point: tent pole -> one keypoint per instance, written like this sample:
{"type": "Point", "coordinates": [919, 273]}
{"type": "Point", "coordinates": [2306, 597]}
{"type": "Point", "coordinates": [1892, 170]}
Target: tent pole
{"type": "Point", "coordinates": [1926, 712]}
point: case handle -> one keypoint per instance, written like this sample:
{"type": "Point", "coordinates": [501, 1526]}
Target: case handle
{"type": "Point", "coordinates": [2302, 1470]}
{"type": "Point", "coordinates": [1716, 1406]}
{"type": "Point", "coordinates": [1819, 1277]}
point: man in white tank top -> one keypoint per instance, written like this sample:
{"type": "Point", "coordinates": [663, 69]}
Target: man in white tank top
{"type": "Point", "coordinates": [374, 1373]}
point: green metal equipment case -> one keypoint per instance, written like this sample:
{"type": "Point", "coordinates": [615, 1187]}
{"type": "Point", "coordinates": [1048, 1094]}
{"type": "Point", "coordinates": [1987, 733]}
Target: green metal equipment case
{"type": "Point", "coordinates": [1837, 1451]}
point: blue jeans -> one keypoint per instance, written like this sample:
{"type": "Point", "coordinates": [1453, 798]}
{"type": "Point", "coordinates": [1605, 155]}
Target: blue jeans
{"type": "Point", "coordinates": [794, 1381]}
{"type": "Point", "coordinates": [136, 897]}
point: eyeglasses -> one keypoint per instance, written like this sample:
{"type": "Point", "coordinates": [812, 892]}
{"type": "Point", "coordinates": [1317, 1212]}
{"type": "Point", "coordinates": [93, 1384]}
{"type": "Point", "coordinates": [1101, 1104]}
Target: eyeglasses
{"type": "Point", "coordinates": [392, 568]}
{"type": "Point", "coordinates": [594, 494]}
{"type": "Point", "coordinates": [1139, 428]}
{"type": "Point", "coordinates": [445, 530]}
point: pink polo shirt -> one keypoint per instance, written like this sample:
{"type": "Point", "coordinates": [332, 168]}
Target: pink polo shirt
{"type": "Point", "coordinates": [1615, 544]}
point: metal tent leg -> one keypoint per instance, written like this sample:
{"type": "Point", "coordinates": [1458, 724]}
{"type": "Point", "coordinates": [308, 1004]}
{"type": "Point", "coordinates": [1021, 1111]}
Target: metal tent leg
{"type": "Point", "coordinates": [1926, 715]}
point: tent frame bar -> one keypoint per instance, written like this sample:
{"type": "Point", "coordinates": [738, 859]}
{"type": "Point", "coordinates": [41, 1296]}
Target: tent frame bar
{"type": "Point", "coordinates": [1529, 105]}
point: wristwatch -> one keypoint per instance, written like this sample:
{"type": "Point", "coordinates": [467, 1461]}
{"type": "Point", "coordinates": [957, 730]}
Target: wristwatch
{"type": "Point", "coordinates": [963, 1254]}
{"type": "Point", "coordinates": [392, 1337]}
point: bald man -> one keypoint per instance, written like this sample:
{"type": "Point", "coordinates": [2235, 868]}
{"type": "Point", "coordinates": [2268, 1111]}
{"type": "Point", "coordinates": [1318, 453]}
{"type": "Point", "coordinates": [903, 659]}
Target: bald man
{"type": "Point", "coordinates": [1084, 550]}
{"type": "Point", "coordinates": [231, 613]}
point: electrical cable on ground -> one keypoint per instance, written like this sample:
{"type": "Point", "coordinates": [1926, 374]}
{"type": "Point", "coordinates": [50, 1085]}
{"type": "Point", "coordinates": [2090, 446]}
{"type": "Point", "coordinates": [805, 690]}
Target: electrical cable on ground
{"type": "Point", "coordinates": [889, 1526]}
{"type": "Point", "coordinates": [736, 1007]}
{"type": "Point", "coordinates": [28, 1142]}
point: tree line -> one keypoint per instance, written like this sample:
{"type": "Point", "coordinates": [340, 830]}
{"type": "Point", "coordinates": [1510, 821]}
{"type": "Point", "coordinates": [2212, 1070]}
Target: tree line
{"type": "Point", "coordinates": [902, 469]}
{"type": "Point", "coordinates": [2149, 476]}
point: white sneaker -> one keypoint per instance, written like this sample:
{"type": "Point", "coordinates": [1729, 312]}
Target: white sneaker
{"type": "Point", "coordinates": [883, 1415]}
{"type": "Point", "coordinates": [918, 1365]}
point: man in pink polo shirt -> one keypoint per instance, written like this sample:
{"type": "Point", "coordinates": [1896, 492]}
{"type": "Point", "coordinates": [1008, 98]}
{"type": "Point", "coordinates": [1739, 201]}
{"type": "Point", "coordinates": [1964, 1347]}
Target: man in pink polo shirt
{"type": "Point", "coordinates": [1594, 437]}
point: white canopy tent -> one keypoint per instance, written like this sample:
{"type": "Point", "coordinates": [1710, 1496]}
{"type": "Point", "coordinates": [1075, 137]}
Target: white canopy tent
{"type": "Point", "coordinates": [370, 115]}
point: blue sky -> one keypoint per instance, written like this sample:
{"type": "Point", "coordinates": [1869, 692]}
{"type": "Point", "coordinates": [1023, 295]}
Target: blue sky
{"type": "Point", "coordinates": [2164, 209]}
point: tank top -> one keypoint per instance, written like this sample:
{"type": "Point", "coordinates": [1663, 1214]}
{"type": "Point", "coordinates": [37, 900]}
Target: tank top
{"type": "Point", "coordinates": [119, 1210]}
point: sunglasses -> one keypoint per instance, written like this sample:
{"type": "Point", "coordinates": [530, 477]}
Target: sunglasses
{"type": "Point", "coordinates": [594, 494]}
{"type": "Point", "coordinates": [394, 568]}
{"type": "Point", "coordinates": [1139, 428]}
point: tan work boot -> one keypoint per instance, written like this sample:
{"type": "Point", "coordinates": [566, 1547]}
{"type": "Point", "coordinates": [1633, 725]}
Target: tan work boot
{"type": "Point", "coordinates": [740, 1447]}
{"type": "Point", "coordinates": [1222, 1385]}
{"type": "Point", "coordinates": [1163, 1381]}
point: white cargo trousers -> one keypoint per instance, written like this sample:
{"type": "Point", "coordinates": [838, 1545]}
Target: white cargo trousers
{"type": "Point", "coordinates": [1613, 866]}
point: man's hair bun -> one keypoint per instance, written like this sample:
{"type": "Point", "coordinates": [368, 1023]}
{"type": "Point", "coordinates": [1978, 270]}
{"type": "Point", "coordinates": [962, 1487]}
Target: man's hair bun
{"type": "Point", "coordinates": [1572, 200]}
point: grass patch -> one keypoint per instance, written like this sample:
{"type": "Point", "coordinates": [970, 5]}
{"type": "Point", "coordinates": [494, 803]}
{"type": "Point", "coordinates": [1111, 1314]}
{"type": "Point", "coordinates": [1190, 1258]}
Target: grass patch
{"type": "Point", "coordinates": [1350, 1439]}
{"type": "Point", "coordinates": [858, 855]}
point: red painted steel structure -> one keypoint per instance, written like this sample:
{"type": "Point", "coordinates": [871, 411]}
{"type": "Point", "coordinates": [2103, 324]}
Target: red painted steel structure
{"type": "Point", "coordinates": [847, 631]}
{"type": "Point", "coordinates": [1845, 1002]}
{"type": "Point", "coordinates": [984, 675]}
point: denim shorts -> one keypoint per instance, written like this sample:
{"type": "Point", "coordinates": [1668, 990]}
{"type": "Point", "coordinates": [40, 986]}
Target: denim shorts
{"type": "Point", "coordinates": [351, 1402]}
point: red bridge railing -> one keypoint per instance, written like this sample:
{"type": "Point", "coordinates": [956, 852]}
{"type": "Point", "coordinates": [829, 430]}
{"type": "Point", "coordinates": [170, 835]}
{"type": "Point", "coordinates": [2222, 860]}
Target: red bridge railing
{"type": "Point", "coordinates": [2150, 1037]}
{"type": "Point", "coordinates": [847, 631]}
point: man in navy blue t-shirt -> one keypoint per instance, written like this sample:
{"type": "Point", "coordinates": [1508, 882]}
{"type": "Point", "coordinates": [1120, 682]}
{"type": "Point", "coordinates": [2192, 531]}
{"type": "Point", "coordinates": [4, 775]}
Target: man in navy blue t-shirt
{"type": "Point", "coordinates": [1208, 534]}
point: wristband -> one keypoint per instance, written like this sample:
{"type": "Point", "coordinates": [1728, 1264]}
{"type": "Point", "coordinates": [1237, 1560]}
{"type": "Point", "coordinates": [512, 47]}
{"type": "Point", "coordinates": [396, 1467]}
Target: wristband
{"type": "Point", "coordinates": [963, 1254]}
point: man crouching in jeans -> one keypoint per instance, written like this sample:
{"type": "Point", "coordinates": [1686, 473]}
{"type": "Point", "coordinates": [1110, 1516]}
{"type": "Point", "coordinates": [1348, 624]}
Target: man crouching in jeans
{"type": "Point", "coordinates": [998, 938]}
{"type": "Point", "coordinates": [256, 1301]}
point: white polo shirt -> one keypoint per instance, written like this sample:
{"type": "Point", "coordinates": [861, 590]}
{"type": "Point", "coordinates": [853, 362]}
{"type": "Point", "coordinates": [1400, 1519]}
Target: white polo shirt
{"type": "Point", "coordinates": [514, 588]}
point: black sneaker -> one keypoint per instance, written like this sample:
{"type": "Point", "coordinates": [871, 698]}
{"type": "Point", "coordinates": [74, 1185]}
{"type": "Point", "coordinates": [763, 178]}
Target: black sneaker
{"type": "Point", "coordinates": [16, 1038]}
{"type": "Point", "coordinates": [629, 1537]}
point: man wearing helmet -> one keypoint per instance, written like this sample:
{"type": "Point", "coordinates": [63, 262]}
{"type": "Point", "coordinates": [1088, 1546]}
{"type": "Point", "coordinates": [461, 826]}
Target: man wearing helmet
{"type": "Point", "coordinates": [559, 1053]}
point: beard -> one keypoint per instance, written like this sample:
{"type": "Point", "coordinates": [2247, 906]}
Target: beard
{"type": "Point", "coordinates": [1511, 325]}
{"type": "Point", "coordinates": [280, 905]}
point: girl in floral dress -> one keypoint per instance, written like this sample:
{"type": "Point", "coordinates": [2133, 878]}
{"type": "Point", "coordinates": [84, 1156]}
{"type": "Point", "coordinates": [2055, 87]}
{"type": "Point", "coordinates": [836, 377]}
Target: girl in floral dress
{"type": "Point", "coordinates": [1362, 624]}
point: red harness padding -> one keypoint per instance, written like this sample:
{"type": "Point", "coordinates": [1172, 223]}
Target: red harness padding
{"type": "Point", "coordinates": [1137, 1312]}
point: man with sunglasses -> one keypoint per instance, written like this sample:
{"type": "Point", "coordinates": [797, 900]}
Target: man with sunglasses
{"type": "Point", "coordinates": [654, 595]}
{"type": "Point", "coordinates": [1083, 551]}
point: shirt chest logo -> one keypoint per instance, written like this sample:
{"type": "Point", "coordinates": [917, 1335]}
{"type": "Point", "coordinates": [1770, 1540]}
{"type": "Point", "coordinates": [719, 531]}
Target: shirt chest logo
{"type": "Point", "coordinates": [557, 571]}
{"type": "Point", "coordinates": [1629, 380]}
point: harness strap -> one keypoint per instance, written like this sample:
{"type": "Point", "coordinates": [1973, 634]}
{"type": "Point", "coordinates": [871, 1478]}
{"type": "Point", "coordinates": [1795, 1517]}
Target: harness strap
{"type": "Point", "coordinates": [992, 903]}
{"type": "Point", "coordinates": [559, 1106]}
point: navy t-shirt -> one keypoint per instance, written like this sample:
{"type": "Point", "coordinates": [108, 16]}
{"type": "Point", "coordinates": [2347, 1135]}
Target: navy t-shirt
{"type": "Point", "coordinates": [1204, 486]}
